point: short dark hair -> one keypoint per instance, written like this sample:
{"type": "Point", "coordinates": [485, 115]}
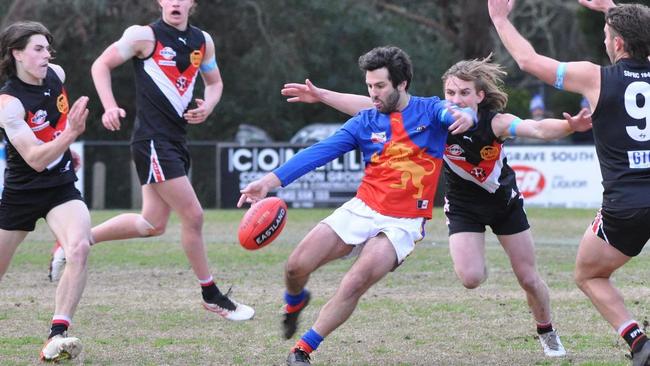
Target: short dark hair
{"type": "Point", "coordinates": [630, 22]}
{"type": "Point", "coordinates": [392, 58]}
{"type": "Point", "coordinates": [15, 37]}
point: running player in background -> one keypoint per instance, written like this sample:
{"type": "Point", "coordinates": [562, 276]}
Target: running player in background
{"type": "Point", "coordinates": [619, 96]}
{"type": "Point", "coordinates": [39, 127]}
{"type": "Point", "coordinates": [168, 56]}
{"type": "Point", "coordinates": [402, 140]}
{"type": "Point", "coordinates": [481, 186]}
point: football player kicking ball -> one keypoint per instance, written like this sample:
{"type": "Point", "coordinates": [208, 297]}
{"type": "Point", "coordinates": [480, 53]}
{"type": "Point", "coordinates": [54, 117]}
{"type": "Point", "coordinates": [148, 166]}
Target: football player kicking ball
{"type": "Point", "coordinates": [481, 186]}
{"type": "Point", "coordinates": [402, 139]}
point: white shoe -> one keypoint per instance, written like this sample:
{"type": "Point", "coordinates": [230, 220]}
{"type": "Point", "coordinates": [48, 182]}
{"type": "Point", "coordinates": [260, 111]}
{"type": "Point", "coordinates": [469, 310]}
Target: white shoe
{"type": "Point", "coordinates": [552, 345]}
{"type": "Point", "coordinates": [57, 263]}
{"type": "Point", "coordinates": [61, 347]}
{"type": "Point", "coordinates": [230, 309]}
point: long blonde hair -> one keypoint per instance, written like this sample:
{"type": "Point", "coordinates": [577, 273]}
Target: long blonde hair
{"type": "Point", "coordinates": [487, 77]}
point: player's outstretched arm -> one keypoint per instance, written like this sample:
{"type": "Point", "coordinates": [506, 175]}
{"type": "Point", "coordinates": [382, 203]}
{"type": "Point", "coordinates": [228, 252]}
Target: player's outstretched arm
{"type": "Point", "coordinates": [258, 189]}
{"type": "Point", "coordinates": [578, 77]}
{"type": "Point", "coordinates": [508, 125]}
{"type": "Point", "coordinates": [349, 104]}
{"type": "Point", "coordinates": [598, 5]}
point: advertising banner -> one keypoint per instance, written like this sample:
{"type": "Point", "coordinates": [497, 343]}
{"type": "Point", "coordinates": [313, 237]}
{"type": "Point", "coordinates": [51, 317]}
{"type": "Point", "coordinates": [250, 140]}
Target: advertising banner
{"type": "Point", "coordinates": [327, 186]}
{"type": "Point", "coordinates": [547, 176]}
{"type": "Point", "coordinates": [557, 176]}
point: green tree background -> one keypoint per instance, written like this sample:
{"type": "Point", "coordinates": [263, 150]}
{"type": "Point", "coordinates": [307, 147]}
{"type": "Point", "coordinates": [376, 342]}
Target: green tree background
{"type": "Point", "coordinates": [262, 44]}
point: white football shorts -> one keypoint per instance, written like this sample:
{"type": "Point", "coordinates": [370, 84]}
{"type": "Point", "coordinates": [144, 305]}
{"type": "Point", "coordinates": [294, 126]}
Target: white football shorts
{"type": "Point", "coordinates": [355, 223]}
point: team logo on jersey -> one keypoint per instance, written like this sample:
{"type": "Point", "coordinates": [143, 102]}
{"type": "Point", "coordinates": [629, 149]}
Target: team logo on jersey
{"type": "Point", "coordinates": [402, 158]}
{"type": "Point", "coordinates": [62, 104]}
{"type": "Point", "coordinates": [378, 137]}
{"type": "Point", "coordinates": [39, 118]}
{"type": "Point", "coordinates": [181, 83]}
{"type": "Point", "coordinates": [489, 153]}
{"type": "Point", "coordinates": [168, 53]}
{"type": "Point", "coordinates": [196, 57]}
{"type": "Point", "coordinates": [420, 128]}
{"type": "Point", "coordinates": [477, 172]}
{"type": "Point", "coordinates": [454, 150]}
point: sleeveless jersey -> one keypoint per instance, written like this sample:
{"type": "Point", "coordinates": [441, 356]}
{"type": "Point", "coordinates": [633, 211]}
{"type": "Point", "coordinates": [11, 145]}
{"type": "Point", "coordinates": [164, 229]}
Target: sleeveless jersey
{"type": "Point", "coordinates": [476, 168]}
{"type": "Point", "coordinates": [402, 152]}
{"type": "Point", "coordinates": [621, 127]}
{"type": "Point", "coordinates": [165, 82]}
{"type": "Point", "coordinates": [46, 113]}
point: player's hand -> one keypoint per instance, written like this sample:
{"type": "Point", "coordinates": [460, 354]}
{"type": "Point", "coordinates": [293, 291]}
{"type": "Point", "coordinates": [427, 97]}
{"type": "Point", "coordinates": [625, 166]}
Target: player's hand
{"type": "Point", "coordinates": [598, 5]}
{"type": "Point", "coordinates": [76, 161]}
{"type": "Point", "coordinates": [305, 93]}
{"type": "Point", "coordinates": [253, 192]}
{"type": "Point", "coordinates": [581, 122]}
{"type": "Point", "coordinates": [198, 114]}
{"type": "Point", "coordinates": [111, 118]}
{"type": "Point", "coordinates": [500, 9]}
{"type": "Point", "coordinates": [463, 119]}
{"type": "Point", "coordinates": [77, 116]}
{"type": "Point", "coordinates": [258, 189]}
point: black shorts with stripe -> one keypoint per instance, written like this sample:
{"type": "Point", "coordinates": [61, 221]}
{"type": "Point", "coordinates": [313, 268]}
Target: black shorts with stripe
{"type": "Point", "coordinates": [160, 160]}
{"type": "Point", "coordinates": [20, 209]}
{"type": "Point", "coordinates": [627, 230]}
{"type": "Point", "coordinates": [505, 218]}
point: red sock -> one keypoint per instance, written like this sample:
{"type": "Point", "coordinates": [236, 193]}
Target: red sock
{"type": "Point", "coordinates": [303, 346]}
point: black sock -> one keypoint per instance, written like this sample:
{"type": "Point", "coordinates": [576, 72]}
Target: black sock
{"type": "Point", "coordinates": [57, 328]}
{"type": "Point", "coordinates": [544, 328]}
{"type": "Point", "coordinates": [634, 337]}
{"type": "Point", "coordinates": [210, 292]}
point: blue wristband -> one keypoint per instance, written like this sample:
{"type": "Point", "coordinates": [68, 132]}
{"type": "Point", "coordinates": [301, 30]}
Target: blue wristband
{"type": "Point", "coordinates": [513, 127]}
{"type": "Point", "coordinates": [559, 76]}
{"type": "Point", "coordinates": [449, 119]}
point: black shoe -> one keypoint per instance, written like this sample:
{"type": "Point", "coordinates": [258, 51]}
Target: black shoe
{"type": "Point", "coordinates": [298, 357]}
{"type": "Point", "coordinates": [290, 320]}
{"type": "Point", "coordinates": [640, 357]}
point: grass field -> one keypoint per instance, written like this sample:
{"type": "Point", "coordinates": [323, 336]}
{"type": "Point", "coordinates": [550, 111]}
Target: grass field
{"type": "Point", "coordinates": [142, 303]}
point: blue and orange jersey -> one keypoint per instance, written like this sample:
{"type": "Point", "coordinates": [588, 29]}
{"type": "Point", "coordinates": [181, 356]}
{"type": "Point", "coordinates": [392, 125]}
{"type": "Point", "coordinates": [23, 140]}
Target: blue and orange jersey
{"type": "Point", "coordinates": [402, 152]}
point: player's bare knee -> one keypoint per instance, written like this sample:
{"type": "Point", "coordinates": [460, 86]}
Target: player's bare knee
{"type": "Point", "coordinates": [193, 218]}
{"type": "Point", "coordinates": [294, 269]}
{"type": "Point", "coordinates": [76, 253]}
{"type": "Point", "coordinates": [158, 230]}
{"type": "Point", "coordinates": [471, 282]}
{"type": "Point", "coordinates": [471, 279]}
{"type": "Point", "coordinates": [146, 229]}
{"type": "Point", "coordinates": [354, 285]}
{"type": "Point", "coordinates": [529, 282]}
{"type": "Point", "coordinates": [581, 278]}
